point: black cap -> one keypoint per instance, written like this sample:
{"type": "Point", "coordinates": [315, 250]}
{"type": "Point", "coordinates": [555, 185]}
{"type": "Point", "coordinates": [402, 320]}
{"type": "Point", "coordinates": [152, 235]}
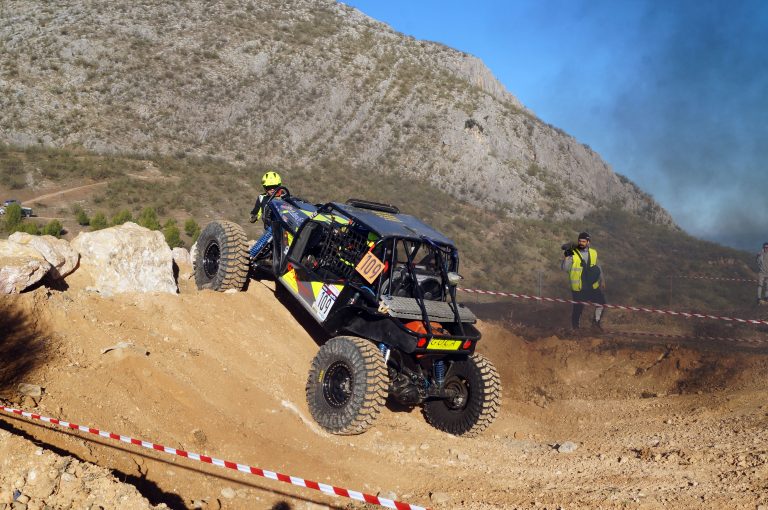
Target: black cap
{"type": "Point", "coordinates": [584, 235]}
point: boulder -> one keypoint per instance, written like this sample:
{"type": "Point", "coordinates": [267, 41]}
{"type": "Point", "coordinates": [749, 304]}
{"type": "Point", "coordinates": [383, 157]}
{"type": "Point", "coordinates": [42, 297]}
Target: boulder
{"type": "Point", "coordinates": [193, 253]}
{"type": "Point", "coordinates": [57, 252]}
{"type": "Point", "coordinates": [126, 258]}
{"type": "Point", "coordinates": [20, 267]}
{"type": "Point", "coordinates": [181, 256]}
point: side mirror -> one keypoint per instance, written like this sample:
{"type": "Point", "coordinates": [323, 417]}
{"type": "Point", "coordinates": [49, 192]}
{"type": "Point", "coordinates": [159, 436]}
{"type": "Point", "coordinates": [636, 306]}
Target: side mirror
{"type": "Point", "coordinates": [454, 278]}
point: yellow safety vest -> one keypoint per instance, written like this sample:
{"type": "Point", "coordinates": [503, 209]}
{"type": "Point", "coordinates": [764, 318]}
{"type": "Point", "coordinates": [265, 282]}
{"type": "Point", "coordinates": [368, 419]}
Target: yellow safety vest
{"type": "Point", "coordinates": [577, 269]}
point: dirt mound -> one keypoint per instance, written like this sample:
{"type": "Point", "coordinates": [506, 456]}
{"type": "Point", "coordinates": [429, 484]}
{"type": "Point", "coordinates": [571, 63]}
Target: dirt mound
{"type": "Point", "coordinates": [224, 375]}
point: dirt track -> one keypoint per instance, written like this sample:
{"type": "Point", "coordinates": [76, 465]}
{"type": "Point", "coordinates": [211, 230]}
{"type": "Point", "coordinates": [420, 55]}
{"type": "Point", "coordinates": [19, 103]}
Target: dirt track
{"type": "Point", "coordinates": [656, 426]}
{"type": "Point", "coordinates": [57, 194]}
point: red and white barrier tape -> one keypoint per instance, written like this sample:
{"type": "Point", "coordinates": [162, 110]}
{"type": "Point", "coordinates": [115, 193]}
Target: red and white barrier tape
{"type": "Point", "coordinates": [715, 278]}
{"type": "Point", "coordinates": [687, 315]}
{"type": "Point", "coordinates": [686, 337]}
{"type": "Point", "coordinates": [309, 484]}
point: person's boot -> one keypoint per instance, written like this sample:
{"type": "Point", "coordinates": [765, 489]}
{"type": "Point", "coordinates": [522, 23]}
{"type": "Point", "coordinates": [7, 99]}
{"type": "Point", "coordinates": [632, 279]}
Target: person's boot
{"type": "Point", "coordinates": [596, 325]}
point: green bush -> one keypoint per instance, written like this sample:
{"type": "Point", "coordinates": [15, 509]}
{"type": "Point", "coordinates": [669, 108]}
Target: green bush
{"type": "Point", "coordinates": [99, 221]}
{"type": "Point", "coordinates": [148, 218]}
{"type": "Point", "coordinates": [172, 234]}
{"type": "Point", "coordinates": [28, 227]}
{"type": "Point", "coordinates": [12, 217]}
{"type": "Point", "coordinates": [122, 217]}
{"type": "Point", "coordinates": [192, 229]}
{"type": "Point", "coordinates": [53, 228]}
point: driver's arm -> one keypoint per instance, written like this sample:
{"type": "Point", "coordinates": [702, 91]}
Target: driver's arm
{"type": "Point", "coordinates": [258, 209]}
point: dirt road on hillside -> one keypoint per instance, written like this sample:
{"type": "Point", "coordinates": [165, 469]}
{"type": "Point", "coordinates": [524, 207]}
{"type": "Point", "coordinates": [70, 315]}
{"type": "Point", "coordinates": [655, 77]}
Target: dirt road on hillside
{"type": "Point", "coordinates": [64, 192]}
{"type": "Point", "coordinates": [653, 425]}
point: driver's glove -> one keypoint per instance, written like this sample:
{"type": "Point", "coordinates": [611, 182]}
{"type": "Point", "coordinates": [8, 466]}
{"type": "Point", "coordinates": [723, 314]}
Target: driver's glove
{"type": "Point", "coordinates": [253, 218]}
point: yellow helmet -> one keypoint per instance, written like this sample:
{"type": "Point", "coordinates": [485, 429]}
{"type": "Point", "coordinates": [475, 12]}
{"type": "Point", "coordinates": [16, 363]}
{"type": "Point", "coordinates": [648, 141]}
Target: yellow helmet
{"type": "Point", "coordinates": [271, 179]}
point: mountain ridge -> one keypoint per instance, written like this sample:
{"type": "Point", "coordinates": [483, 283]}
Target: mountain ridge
{"type": "Point", "coordinates": [292, 84]}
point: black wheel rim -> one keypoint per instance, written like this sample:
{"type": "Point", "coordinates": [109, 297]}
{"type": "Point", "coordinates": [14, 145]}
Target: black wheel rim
{"type": "Point", "coordinates": [459, 400]}
{"type": "Point", "coordinates": [337, 384]}
{"type": "Point", "coordinates": [211, 259]}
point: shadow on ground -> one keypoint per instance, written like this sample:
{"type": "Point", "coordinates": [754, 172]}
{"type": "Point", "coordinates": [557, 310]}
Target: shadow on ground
{"type": "Point", "coordinates": [23, 343]}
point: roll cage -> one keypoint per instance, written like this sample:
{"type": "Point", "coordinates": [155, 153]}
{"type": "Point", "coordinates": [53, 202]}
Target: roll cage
{"type": "Point", "coordinates": [413, 267]}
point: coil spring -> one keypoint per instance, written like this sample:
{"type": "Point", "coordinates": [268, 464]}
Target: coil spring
{"type": "Point", "coordinates": [384, 351]}
{"type": "Point", "coordinates": [439, 369]}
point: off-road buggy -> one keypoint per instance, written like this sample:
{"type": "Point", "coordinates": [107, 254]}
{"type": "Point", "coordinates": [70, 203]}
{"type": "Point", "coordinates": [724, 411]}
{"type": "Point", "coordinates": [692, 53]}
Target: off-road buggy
{"type": "Point", "coordinates": [383, 285]}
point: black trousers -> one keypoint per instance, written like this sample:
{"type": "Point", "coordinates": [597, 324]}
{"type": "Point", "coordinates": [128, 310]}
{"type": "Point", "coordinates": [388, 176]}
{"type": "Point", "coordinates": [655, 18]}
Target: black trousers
{"type": "Point", "coordinates": [591, 295]}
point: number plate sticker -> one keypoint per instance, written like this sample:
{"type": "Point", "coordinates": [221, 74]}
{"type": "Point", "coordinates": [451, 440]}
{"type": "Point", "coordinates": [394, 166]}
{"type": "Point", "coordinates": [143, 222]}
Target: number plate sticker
{"type": "Point", "coordinates": [370, 267]}
{"type": "Point", "coordinates": [325, 300]}
{"type": "Point", "coordinates": [444, 345]}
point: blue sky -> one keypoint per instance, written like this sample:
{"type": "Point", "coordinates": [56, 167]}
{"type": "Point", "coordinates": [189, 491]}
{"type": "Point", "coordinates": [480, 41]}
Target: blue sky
{"type": "Point", "coordinates": [673, 94]}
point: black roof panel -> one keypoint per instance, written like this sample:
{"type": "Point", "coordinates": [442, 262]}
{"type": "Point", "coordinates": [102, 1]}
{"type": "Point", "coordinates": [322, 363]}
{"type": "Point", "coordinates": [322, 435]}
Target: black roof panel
{"type": "Point", "coordinates": [393, 225]}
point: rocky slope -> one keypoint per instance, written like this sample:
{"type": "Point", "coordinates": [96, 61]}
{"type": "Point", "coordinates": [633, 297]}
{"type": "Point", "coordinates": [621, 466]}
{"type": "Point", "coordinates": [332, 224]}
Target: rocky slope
{"type": "Point", "coordinates": [39, 478]}
{"type": "Point", "coordinates": [308, 83]}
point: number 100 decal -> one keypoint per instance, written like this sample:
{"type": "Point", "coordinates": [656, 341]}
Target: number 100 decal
{"type": "Point", "coordinates": [370, 267]}
{"type": "Point", "coordinates": [325, 300]}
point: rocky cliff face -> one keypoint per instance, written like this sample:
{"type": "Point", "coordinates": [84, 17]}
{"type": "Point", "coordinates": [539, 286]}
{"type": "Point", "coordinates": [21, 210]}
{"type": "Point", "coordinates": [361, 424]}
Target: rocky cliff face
{"type": "Point", "coordinates": [306, 82]}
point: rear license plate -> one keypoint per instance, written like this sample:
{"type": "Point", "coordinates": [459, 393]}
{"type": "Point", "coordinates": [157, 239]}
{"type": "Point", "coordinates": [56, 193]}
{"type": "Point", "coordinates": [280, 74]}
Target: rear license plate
{"type": "Point", "coordinates": [444, 345]}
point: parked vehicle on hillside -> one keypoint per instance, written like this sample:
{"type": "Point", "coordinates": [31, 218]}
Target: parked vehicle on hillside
{"type": "Point", "coordinates": [25, 211]}
{"type": "Point", "coordinates": [383, 285]}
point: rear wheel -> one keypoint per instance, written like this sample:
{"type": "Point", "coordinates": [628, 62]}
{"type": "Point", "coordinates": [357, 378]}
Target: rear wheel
{"type": "Point", "coordinates": [347, 385]}
{"type": "Point", "coordinates": [477, 396]}
{"type": "Point", "coordinates": [221, 262]}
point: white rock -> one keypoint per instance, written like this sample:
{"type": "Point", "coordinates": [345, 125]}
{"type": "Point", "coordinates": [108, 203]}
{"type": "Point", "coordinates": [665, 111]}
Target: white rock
{"type": "Point", "coordinates": [20, 267]}
{"type": "Point", "coordinates": [228, 493]}
{"type": "Point", "coordinates": [57, 252]}
{"type": "Point", "coordinates": [31, 390]}
{"type": "Point", "coordinates": [181, 256]}
{"type": "Point", "coordinates": [126, 258]}
{"type": "Point", "coordinates": [193, 254]}
{"type": "Point", "coordinates": [388, 495]}
{"type": "Point", "coordinates": [567, 447]}
{"type": "Point", "coordinates": [439, 498]}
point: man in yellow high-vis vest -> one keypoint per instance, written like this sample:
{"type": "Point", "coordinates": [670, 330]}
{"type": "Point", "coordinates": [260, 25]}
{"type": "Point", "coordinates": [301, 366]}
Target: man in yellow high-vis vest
{"type": "Point", "coordinates": [586, 278]}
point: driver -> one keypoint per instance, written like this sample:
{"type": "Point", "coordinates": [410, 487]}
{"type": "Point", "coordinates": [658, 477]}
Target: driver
{"type": "Point", "coordinates": [270, 181]}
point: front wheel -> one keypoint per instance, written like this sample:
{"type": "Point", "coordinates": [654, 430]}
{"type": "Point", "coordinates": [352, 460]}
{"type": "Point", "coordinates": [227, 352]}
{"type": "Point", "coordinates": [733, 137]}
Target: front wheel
{"type": "Point", "coordinates": [221, 262]}
{"type": "Point", "coordinates": [347, 385]}
{"type": "Point", "coordinates": [476, 387]}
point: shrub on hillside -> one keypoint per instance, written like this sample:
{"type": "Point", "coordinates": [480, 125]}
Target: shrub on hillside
{"type": "Point", "coordinates": [172, 234]}
{"type": "Point", "coordinates": [122, 217]}
{"type": "Point", "coordinates": [12, 217]}
{"type": "Point", "coordinates": [99, 221]}
{"type": "Point", "coordinates": [192, 229]}
{"type": "Point", "coordinates": [53, 228]}
{"type": "Point", "coordinates": [148, 218]}
{"type": "Point", "coordinates": [27, 227]}
{"type": "Point", "coordinates": [81, 216]}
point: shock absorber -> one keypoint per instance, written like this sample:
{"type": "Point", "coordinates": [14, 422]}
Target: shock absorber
{"type": "Point", "coordinates": [439, 369]}
{"type": "Point", "coordinates": [384, 351]}
{"type": "Point", "coordinates": [263, 240]}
